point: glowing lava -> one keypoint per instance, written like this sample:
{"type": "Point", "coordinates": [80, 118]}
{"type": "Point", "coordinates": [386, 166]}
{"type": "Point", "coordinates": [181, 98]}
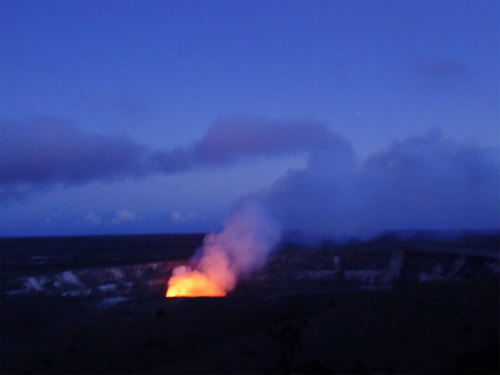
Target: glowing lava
{"type": "Point", "coordinates": [192, 283]}
{"type": "Point", "coordinates": [248, 236]}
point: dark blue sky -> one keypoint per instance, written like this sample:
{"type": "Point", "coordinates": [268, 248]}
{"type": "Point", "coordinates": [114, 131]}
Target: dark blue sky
{"type": "Point", "coordinates": [148, 116]}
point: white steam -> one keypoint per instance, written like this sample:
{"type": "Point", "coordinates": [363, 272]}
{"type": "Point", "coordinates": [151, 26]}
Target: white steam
{"type": "Point", "coordinates": [249, 234]}
{"type": "Point", "coordinates": [427, 181]}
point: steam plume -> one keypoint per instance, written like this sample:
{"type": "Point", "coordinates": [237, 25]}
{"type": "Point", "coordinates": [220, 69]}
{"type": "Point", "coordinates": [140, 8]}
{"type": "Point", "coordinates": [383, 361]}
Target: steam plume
{"type": "Point", "coordinates": [248, 236]}
{"type": "Point", "coordinates": [427, 181]}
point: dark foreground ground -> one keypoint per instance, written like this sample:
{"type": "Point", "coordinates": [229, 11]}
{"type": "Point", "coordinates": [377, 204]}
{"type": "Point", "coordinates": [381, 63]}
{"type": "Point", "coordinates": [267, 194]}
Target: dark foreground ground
{"type": "Point", "coordinates": [442, 326]}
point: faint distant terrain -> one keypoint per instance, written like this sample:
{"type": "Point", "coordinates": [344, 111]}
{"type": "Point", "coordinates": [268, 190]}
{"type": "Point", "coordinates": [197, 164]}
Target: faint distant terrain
{"type": "Point", "coordinates": [104, 267]}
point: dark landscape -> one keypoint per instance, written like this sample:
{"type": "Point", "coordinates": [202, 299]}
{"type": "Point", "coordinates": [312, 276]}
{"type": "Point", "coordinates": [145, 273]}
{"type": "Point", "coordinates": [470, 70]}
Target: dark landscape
{"type": "Point", "coordinates": [396, 304]}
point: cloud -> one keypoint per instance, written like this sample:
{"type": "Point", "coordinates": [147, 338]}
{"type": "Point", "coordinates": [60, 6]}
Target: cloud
{"type": "Point", "coordinates": [92, 218]}
{"type": "Point", "coordinates": [41, 151]}
{"type": "Point", "coordinates": [37, 152]}
{"type": "Point", "coordinates": [444, 71]}
{"type": "Point", "coordinates": [426, 181]}
{"type": "Point", "coordinates": [230, 139]}
{"type": "Point", "coordinates": [237, 137]}
{"type": "Point", "coordinates": [123, 216]}
{"type": "Point", "coordinates": [181, 217]}
{"type": "Point", "coordinates": [116, 218]}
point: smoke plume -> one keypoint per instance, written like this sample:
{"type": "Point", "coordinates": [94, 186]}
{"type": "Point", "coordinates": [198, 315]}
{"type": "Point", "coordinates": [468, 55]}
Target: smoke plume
{"type": "Point", "coordinates": [249, 234]}
{"type": "Point", "coordinates": [427, 181]}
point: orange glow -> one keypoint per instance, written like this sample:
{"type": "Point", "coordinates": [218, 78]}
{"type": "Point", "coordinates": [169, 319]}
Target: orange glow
{"type": "Point", "coordinates": [211, 278]}
{"type": "Point", "coordinates": [248, 236]}
{"type": "Point", "coordinates": [193, 284]}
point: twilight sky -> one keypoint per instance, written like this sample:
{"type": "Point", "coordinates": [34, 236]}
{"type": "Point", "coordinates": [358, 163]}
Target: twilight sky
{"type": "Point", "coordinates": [343, 118]}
